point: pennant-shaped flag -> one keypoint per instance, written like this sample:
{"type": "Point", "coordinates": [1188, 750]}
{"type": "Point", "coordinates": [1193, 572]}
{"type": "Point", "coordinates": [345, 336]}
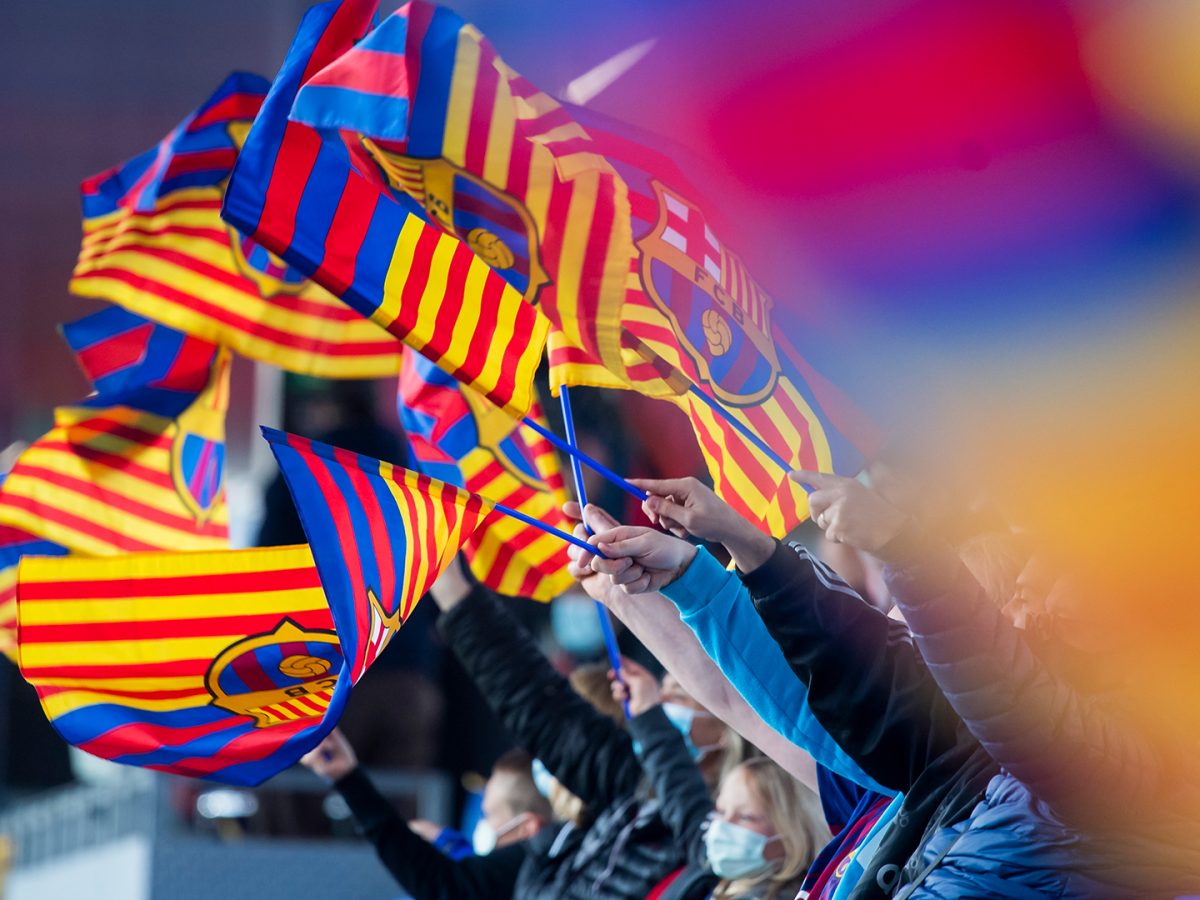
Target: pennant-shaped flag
{"type": "Point", "coordinates": [304, 195]}
{"type": "Point", "coordinates": [139, 464]}
{"type": "Point", "coordinates": [460, 437]}
{"type": "Point", "coordinates": [154, 242]}
{"type": "Point", "coordinates": [15, 544]}
{"type": "Point", "coordinates": [380, 535]}
{"type": "Point", "coordinates": [439, 119]}
{"type": "Point", "coordinates": [223, 665]}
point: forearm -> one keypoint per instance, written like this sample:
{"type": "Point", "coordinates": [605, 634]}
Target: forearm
{"type": "Point", "coordinates": [655, 621]}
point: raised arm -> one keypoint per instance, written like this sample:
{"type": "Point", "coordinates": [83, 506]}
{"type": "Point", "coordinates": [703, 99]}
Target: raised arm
{"type": "Point", "coordinates": [586, 751]}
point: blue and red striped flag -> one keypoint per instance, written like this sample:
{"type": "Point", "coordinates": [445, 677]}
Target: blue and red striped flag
{"type": "Point", "coordinates": [460, 437]}
{"type": "Point", "coordinates": [380, 535]}
{"type": "Point", "coordinates": [303, 195]}
{"type": "Point", "coordinates": [138, 465]}
{"type": "Point", "coordinates": [154, 242]}
{"type": "Point", "coordinates": [225, 665]}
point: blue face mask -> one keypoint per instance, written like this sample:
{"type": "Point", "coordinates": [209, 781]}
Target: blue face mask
{"type": "Point", "coordinates": [576, 626]}
{"type": "Point", "coordinates": [734, 851]}
{"type": "Point", "coordinates": [682, 718]}
{"type": "Point", "coordinates": [542, 779]}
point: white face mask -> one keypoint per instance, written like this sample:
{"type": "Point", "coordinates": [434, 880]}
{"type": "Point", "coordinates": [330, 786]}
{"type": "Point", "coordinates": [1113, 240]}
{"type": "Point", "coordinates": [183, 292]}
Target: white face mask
{"type": "Point", "coordinates": [484, 838]}
{"type": "Point", "coordinates": [734, 851]}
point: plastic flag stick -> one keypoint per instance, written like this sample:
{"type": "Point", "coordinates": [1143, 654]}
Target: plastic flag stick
{"type": "Point", "coordinates": [576, 454]}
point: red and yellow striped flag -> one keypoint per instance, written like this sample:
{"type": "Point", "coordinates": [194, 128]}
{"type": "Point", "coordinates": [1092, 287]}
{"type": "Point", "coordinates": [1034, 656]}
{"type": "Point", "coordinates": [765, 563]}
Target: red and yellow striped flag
{"type": "Point", "coordinates": [154, 242]}
{"type": "Point", "coordinates": [221, 665]}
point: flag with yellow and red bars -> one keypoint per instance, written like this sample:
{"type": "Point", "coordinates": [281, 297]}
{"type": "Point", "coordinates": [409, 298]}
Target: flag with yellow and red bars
{"type": "Point", "coordinates": [460, 437]}
{"type": "Point", "coordinates": [317, 201]}
{"type": "Point", "coordinates": [14, 544]}
{"type": "Point", "coordinates": [695, 318]}
{"type": "Point", "coordinates": [139, 464]}
{"type": "Point", "coordinates": [154, 242]}
{"type": "Point", "coordinates": [224, 665]}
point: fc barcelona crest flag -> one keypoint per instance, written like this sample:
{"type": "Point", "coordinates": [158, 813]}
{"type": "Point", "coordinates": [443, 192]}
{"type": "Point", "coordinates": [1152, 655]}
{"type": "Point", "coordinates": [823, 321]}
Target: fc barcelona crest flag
{"type": "Point", "coordinates": [139, 465]}
{"type": "Point", "coordinates": [225, 665]}
{"type": "Point", "coordinates": [380, 535]}
{"type": "Point", "coordinates": [154, 242]}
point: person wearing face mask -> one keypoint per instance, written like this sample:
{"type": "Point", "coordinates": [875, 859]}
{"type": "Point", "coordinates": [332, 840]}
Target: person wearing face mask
{"type": "Point", "coordinates": [513, 812]}
{"type": "Point", "coordinates": [761, 835]}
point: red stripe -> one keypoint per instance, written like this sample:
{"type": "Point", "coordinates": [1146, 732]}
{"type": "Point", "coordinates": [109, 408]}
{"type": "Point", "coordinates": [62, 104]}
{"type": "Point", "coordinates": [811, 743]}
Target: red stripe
{"type": "Point", "coordinates": [414, 285]}
{"type": "Point", "coordinates": [347, 231]}
{"type": "Point", "coordinates": [45, 691]}
{"type": "Point", "coordinates": [144, 737]}
{"type": "Point", "coordinates": [124, 503]}
{"type": "Point", "coordinates": [116, 352]}
{"type": "Point", "coordinates": [376, 523]}
{"type": "Point", "coordinates": [165, 207]}
{"type": "Point", "coordinates": [248, 746]}
{"type": "Point", "coordinates": [367, 71]}
{"type": "Point", "coordinates": [293, 163]}
{"type": "Point", "coordinates": [449, 312]}
{"type": "Point", "coordinates": [317, 708]}
{"type": "Point", "coordinates": [113, 461]}
{"type": "Point", "coordinates": [292, 709]}
{"type": "Point", "coordinates": [246, 667]}
{"type": "Point", "coordinates": [483, 102]}
{"type": "Point", "coordinates": [62, 517]}
{"type": "Point", "coordinates": [186, 162]}
{"type": "Point", "coordinates": [171, 669]}
{"type": "Point", "coordinates": [201, 626]}
{"type": "Point", "coordinates": [175, 585]}
{"type": "Point", "coordinates": [235, 106]}
{"type": "Point", "coordinates": [292, 340]}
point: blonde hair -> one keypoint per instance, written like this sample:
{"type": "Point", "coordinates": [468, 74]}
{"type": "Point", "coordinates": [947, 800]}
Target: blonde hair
{"type": "Point", "coordinates": [795, 814]}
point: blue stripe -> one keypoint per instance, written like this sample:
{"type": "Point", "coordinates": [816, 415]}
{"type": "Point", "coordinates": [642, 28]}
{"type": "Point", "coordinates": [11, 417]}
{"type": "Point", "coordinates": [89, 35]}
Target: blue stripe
{"type": "Point", "coordinates": [360, 525]}
{"type": "Point", "coordinates": [89, 722]}
{"type": "Point", "coordinates": [318, 206]}
{"type": "Point", "coordinates": [198, 178]}
{"type": "Point", "coordinates": [11, 554]}
{"type": "Point", "coordinates": [111, 190]}
{"type": "Point", "coordinates": [99, 326]}
{"type": "Point", "coordinates": [396, 532]}
{"type": "Point", "coordinates": [390, 36]}
{"type": "Point", "coordinates": [245, 194]}
{"type": "Point", "coordinates": [375, 257]}
{"type": "Point", "coordinates": [331, 108]}
{"type": "Point", "coordinates": [428, 122]}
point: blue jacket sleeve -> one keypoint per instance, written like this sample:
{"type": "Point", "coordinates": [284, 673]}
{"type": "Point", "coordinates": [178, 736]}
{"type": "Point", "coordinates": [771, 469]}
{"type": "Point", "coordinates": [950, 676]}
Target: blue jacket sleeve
{"type": "Point", "coordinates": [714, 603]}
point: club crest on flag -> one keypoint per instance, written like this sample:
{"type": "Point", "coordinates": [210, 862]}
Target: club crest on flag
{"type": "Point", "coordinates": [285, 674]}
{"type": "Point", "coordinates": [721, 318]}
{"type": "Point", "coordinates": [495, 225]}
{"type": "Point", "coordinates": [198, 448]}
{"type": "Point", "coordinates": [384, 626]}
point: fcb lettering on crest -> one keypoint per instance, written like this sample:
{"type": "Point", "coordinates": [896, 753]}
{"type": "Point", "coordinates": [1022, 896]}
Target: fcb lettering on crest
{"type": "Point", "coordinates": [496, 226]}
{"type": "Point", "coordinates": [288, 673]}
{"type": "Point", "coordinates": [719, 314]}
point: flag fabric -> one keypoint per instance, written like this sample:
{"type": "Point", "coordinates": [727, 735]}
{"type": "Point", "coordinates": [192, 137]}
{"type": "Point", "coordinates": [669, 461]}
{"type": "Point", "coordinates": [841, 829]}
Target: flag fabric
{"type": "Point", "coordinates": [221, 665]}
{"type": "Point", "coordinates": [439, 119]}
{"type": "Point", "coordinates": [380, 535]}
{"type": "Point", "coordinates": [15, 544]}
{"type": "Point", "coordinates": [154, 242]}
{"type": "Point", "coordinates": [695, 315]}
{"type": "Point", "coordinates": [139, 464]}
{"type": "Point", "coordinates": [460, 437]}
{"type": "Point", "coordinates": [304, 195]}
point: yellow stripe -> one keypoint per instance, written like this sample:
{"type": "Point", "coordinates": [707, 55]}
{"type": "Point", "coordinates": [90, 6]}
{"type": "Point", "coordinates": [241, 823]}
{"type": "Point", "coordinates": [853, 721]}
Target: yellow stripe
{"type": "Point", "coordinates": [166, 564]}
{"type": "Point", "coordinates": [151, 608]}
{"type": "Point", "coordinates": [459, 111]}
{"type": "Point", "coordinates": [171, 683]}
{"type": "Point", "coordinates": [96, 653]}
{"type": "Point", "coordinates": [60, 704]}
{"type": "Point", "coordinates": [90, 545]}
{"type": "Point", "coordinates": [500, 136]}
{"type": "Point", "coordinates": [541, 181]}
{"type": "Point", "coordinates": [398, 271]}
{"type": "Point", "coordinates": [186, 195]}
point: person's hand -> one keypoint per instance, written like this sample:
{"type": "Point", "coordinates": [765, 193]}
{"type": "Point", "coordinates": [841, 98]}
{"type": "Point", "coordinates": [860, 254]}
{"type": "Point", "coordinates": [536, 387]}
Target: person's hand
{"type": "Point", "coordinates": [425, 829]}
{"type": "Point", "coordinates": [333, 759]}
{"type": "Point", "coordinates": [849, 512]}
{"type": "Point", "coordinates": [685, 506]}
{"type": "Point", "coordinates": [599, 587]}
{"type": "Point", "coordinates": [452, 586]}
{"type": "Point", "coordinates": [640, 559]}
{"type": "Point", "coordinates": [637, 687]}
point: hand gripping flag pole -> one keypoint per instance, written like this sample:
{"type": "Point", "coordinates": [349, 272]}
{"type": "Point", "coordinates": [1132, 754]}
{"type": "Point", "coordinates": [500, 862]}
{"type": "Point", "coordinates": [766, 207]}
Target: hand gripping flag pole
{"type": "Point", "coordinates": [610, 639]}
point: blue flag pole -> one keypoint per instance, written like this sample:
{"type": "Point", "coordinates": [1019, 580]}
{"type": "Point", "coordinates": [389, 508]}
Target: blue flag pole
{"type": "Point", "coordinates": [610, 639]}
{"type": "Point", "coordinates": [578, 456]}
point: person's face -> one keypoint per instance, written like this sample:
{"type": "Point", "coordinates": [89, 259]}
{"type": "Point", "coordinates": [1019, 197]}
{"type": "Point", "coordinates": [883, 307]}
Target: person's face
{"type": "Point", "coordinates": [739, 805]}
{"type": "Point", "coordinates": [499, 813]}
{"type": "Point", "coordinates": [707, 729]}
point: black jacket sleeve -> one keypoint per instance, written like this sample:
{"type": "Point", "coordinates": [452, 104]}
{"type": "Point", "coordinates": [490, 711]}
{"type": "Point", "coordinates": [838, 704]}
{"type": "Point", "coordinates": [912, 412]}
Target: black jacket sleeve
{"type": "Point", "coordinates": [867, 684]}
{"type": "Point", "coordinates": [678, 785]}
{"type": "Point", "coordinates": [423, 871]}
{"type": "Point", "coordinates": [586, 751]}
{"type": "Point", "coordinates": [1060, 742]}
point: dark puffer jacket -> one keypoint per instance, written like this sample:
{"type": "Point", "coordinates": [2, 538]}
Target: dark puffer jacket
{"type": "Point", "coordinates": [628, 848]}
{"type": "Point", "coordinates": [939, 725]}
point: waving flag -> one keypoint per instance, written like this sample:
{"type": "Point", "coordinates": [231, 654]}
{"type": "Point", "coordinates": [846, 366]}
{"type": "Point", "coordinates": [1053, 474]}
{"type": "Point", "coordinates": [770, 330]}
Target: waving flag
{"type": "Point", "coordinates": [441, 121]}
{"type": "Point", "coordinates": [226, 665]}
{"type": "Point", "coordinates": [304, 196]}
{"type": "Point", "coordinates": [139, 464]}
{"type": "Point", "coordinates": [154, 242]}
{"type": "Point", "coordinates": [380, 536]}
{"type": "Point", "coordinates": [15, 544]}
{"type": "Point", "coordinates": [459, 437]}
